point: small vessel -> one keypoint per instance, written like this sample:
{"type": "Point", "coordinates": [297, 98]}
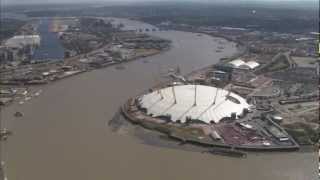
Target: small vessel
{"type": "Point", "coordinates": [227, 152]}
{"type": "Point", "coordinates": [223, 59]}
{"type": "Point", "coordinates": [319, 163]}
{"type": "Point", "coordinates": [120, 67]}
{"type": "Point", "coordinates": [27, 98]}
{"type": "Point", "coordinates": [38, 93]}
{"type": "Point", "coordinates": [25, 92]}
{"type": "Point", "coordinates": [319, 169]}
{"type": "Point", "coordinates": [145, 61]}
{"type": "Point", "coordinates": [21, 102]}
{"type": "Point", "coordinates": [171, 70]}
{"type": "Point", "coordinates": [4, 133]}
{"type": "Point", "coordinates": [18, 114]}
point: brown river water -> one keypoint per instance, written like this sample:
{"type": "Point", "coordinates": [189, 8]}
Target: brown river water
{"type": "Point", "coordinates": [64, 133]}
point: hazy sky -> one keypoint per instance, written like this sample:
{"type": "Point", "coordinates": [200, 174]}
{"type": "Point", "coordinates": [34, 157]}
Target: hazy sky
{"type": "Point", "coordinates": [131, 1]}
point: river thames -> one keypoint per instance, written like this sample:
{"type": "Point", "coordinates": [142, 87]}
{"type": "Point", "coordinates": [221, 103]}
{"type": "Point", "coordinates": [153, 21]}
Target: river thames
{"type": "Point", "coordinates": [50, 46]}
{"type": "Point", "coordinates": [64, 133]}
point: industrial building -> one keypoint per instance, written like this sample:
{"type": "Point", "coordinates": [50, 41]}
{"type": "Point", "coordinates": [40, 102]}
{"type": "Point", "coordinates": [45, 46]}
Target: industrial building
{"type": "Point", "coordinates": [250, 65]}
{"type": "Point", "coordinates": [195, 102]}
{"type": "Point", "coordinates": [238, 63]}
{"type": "Point", "coordinates": [23, 40]}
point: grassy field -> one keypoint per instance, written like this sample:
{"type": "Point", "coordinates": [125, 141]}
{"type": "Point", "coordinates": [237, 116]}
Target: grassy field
{"type": "Point", "coordinates": [280, 63]}
{"type": "Point", "coordinates": [303, 133]}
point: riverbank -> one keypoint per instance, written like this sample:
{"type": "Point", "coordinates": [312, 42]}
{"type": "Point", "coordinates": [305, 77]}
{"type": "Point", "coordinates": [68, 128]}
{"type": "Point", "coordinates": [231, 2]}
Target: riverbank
{"type": "Point", "coordinates": [51, 71]}
{"type": "Point", "coordinates": [80, 107]}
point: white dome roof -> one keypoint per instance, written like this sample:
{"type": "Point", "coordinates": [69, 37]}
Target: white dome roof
{"type": "Point", "coordinates": [204, 109]}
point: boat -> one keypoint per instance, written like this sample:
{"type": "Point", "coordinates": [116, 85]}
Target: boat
{"type": "Point", "coordinates": [38, 93]}
{"type": "Point", "coordinates": [25, 92]}
{"type": "Point", "coordinates": [227, 152]}
{"type": "Point", "coordinates": [120, 67]}
{"type": "Point", "coordinates": [171, 70]}
{"type": "Point", "coordinates": [18, 114]}
{"type": "Point", "coordinates": [4, 133]}
{"type": "Point", "coordinates": [223, 59]}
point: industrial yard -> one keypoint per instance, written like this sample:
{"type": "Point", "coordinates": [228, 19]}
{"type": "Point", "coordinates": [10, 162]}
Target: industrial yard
{"type": "Point", "coordinates": [86, 44]}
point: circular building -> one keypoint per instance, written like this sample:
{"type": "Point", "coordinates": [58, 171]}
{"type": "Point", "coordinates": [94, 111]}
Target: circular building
{"type": "Point", "coordinates": [196, 102]}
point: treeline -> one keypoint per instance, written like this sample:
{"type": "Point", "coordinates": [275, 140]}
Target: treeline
{"type": "Point", "coordinates": [254, 17]}
{"type": "Point", "coordinates": [272, 20]}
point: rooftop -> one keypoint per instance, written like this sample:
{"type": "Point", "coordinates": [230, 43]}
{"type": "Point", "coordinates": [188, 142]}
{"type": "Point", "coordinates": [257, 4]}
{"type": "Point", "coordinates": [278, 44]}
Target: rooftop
{"type": "Point", "coordinates": [198, 102]}
{"type": "Point", "coordinates": [23, 40]}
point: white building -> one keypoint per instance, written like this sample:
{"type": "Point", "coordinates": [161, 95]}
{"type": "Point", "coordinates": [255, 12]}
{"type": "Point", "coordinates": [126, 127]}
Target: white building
{"type": "Point", "coordinates": [204, 103]}
{"type": "Point", "coordinates": [23, 40]}
{"type": "Point", "coordinates": [250, 65]}
{"type": "Point", "coordinates": [238, 63]}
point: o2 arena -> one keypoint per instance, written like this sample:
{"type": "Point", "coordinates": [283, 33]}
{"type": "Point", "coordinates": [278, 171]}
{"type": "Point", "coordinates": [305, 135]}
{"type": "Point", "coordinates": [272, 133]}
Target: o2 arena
{"type": "Point", "coordinates": [204, 103]}
{"type": "Point", "coordinates": [206, 116]}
